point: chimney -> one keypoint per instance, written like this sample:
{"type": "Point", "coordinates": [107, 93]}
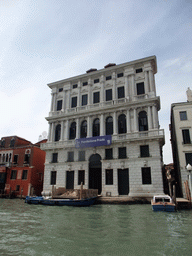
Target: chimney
{"type": "Point", "coordinates": [189, 95]}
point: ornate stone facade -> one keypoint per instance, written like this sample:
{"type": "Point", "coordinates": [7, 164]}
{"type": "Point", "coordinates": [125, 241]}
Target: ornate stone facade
{"type": "Point", "coordinates": [119, 100]}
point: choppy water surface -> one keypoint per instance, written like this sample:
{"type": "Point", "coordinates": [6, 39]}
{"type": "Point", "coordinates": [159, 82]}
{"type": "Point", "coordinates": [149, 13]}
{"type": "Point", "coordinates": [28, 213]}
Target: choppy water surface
{"type": "Point", "coordinates": [96, 230]}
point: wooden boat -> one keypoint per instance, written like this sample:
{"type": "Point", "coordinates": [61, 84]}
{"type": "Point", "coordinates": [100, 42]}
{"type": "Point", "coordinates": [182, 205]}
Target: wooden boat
{"type": "Point", "coordinates": [163, 203]}
{"type": "Point", "coordinates": [60, 202]}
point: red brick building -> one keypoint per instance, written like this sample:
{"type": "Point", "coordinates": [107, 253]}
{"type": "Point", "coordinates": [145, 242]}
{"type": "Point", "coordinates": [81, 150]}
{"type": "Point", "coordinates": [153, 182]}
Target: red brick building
{"type": "Point", "coordinates": [21, 166]}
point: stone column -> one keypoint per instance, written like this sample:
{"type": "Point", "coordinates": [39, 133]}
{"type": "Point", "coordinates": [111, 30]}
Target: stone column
{"type": "Point", "coordinates": [89, 92]}
{"type": "Point", "coordinates": [52, 131]}
{"type": "Point", "coordinates": [114, 123]}
{"type": "Point", "coordinates": [64, 101]}
{"type": "Point", "coordinates": [146, 83]}
{"type": "Point", "coordinates": [151, 80]}
{"type": "Point", "coordinates": [126, 88]}
{"type": "Point", "coordinates": [133, 84]}
{"type": "Point", "coordinates": [49, 135]}
{"type": "Point", "coordinates": [128, 121]}
{"type": "Point", "coordinates": [114, 87]}
{"type": "Point", "coordinates": [66, 130]}
{"type": "Point", "coordinates": [155, 117]}
{"type": "Point", "coordinates": [52, 101]}
{"type": "Point", "coordinates": [149, 118]}
{"type": "Point", "coordinates": [79, 95]}
{"type": "Point", "coordinates": [62, 131]}
{"type": "Point", "coordinates": [102, 89]}
{"type": "Point", "coordinates": [77, 129]}
{"type": "Point", "coordinates": [68, 103]}
{"type": "Point", "coordinates": [89, 127]}
{"type": "Point", "coordinates": [135, 120]}
{"type": "Point", "coordinates": [101, 125]}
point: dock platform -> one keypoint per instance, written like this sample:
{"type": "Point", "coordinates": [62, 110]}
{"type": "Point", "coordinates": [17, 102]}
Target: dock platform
{"type": "Point", "coordinates": [183, 203]}
{"type": "Point", "coordinates": [122, 200]}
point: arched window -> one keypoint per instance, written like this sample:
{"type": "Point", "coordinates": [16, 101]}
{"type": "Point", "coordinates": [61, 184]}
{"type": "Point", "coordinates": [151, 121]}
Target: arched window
{"type": "Point", "coordinates": [143, 124]}
{"type": "Point", "coordinates": [10, 157]}
{"type": "Point", "coordinates": [109, 125]}
{"type": "Point", "coordinates": [57, 132]}
{"type": "Point", "coordinates": [122, 124]}
{"type": "Point", "coordinates": [96, 127]}
{"type": "Point", "coordinates": [83, 129]}
{"type": "Point", "coordinates": [72, 134]}
{"type": "Point", "coordinates": [12, 143]}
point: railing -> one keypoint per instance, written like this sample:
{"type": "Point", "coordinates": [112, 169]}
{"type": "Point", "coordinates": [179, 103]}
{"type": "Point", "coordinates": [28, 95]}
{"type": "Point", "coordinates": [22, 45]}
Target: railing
{"type": "Point", "coordinates": [138, 135]}
{"type": "Point", "coordinates": [122, 137]}
{"type": "Point", "coordinates": [92, 106]}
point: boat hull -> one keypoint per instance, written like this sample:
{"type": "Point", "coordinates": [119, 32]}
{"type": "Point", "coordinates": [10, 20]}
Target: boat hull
{"type": "Point", "coordinates": [60, 202]}
{"type": "Point", "coordinates": [163, 207]}
{"type": "Point", "coordinates": [163, 203]}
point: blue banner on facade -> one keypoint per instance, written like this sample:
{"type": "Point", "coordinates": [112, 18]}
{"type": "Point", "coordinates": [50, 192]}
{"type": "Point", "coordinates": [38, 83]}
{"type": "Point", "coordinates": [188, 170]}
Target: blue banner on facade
{"type": "Point", "coordinates": [93, 141]}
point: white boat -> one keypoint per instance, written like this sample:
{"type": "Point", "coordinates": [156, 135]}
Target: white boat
{"type": "Point", "coordinates": [163, 203]}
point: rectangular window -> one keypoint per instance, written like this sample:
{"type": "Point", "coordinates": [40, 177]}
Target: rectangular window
{"type": "Point", "coordinates": [54, 157]}
{"type": "Point", "coordinates": [26, 159]}
{"type": "Point", "coordinates": [140, 88]}
{"type": "Point", "coordinates": [119, 75]}
{"type": "Point", "coordinates": [144, 151]}
{"type": "Point", "coordinates": [96, 81]}
{"type": "Point", "coordinates": [70, 156]}
{"type": "Point", "coordinates": [188, 158]}
{"type": "Point", "coordinates": [60, 89]}
{"type": "Point", "coordinates": [81, 177]}
{"type": "Point", "coordinates": [139, 70]}
{"type": "Point", "coordinates": [96, 97]}
{"type": "Point", "coordinates": [108, 153]}
{"type": "Point", "coordinates": [40, 176]}
{"type": "Point", "coordinates": [74, 102]}
{"type": "Point", "coordinates": [53, 178]}
{"type": "Point", "coordinates": [122, 153]}
{"type": "Point", "coordinates": [183, 115]}
{"type": "Point", "coordinates": [146, 175]}
{"type": "Point", "coordinates": [13, 174]}
{"type": "Point", "coordinates": [17, 188]}
{"type": "Point", "coordinates": [84, 100]}
{"type": "Point", "coordinates": [108, 94]}
{"type": "Point", "coordinates": [85, 83]}
{"type": "Point", "coordinates": [108, 77]}
{"type": "Point", "coordinates": [24, 175]}
{"type": "Point", "coordinates": [186, 136]}
{"type": "Point", "coordinates": [81, 155]}
{"type": "Point", "coordinates": [121, 92]}
{"type": "Point", "coordinates": [109, 176]}
{"type": "Point", "coordinates": [59, 105]}
{"type": "Point", "coordinates": [74, 86]}
{"type": "Point", "coordinates": [15, 159]}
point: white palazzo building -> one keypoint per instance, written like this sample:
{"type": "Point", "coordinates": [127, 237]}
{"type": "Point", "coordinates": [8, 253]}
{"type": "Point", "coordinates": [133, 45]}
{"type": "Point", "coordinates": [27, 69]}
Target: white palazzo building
{"type": "Point", "coordinates": [104, 131]}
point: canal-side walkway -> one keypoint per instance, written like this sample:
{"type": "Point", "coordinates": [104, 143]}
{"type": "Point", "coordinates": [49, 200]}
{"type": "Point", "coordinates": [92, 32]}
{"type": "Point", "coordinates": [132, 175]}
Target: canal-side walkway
{"type": "Point", "coordinates": [122, 200]}
{"type": "Point", "coordinates": [182, 203]}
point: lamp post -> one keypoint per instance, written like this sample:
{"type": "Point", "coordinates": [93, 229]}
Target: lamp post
{"type": "Point", "coordinates": [189, 169]}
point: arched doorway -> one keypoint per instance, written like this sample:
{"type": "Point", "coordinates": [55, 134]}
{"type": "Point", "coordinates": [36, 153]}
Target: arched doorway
{"type": "Point", "coordinates": [95, 177]}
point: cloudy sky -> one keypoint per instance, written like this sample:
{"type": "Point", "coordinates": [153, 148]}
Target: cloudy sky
{"type": "Point", "coordinates": [45, 41]}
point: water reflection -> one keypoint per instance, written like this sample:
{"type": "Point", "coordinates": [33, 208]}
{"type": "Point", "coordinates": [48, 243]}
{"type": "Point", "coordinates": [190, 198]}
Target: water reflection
{"type": "Point", "coordinates": [98, 230]}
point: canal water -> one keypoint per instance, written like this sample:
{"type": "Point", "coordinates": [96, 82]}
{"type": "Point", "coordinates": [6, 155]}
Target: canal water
{"type": "Point", "coordinates": [96, 230]}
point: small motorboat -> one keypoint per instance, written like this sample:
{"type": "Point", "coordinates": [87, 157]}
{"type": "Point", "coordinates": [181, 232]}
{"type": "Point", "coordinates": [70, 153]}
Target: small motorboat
{"type": "Point", "coordinates": [60, 202]}
{"type": "Point", "coordinates": [163, 203]}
